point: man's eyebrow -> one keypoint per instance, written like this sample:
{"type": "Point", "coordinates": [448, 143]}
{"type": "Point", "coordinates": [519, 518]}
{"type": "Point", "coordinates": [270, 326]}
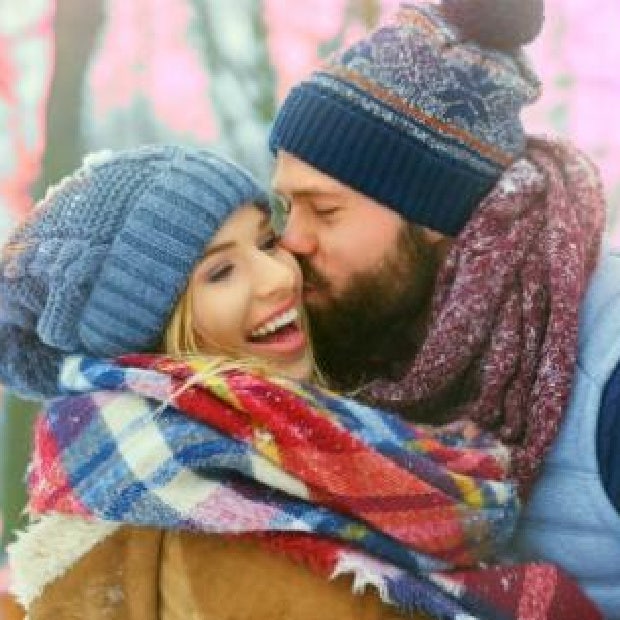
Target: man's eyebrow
{"type": "Point", "coordinates": [308, 192]}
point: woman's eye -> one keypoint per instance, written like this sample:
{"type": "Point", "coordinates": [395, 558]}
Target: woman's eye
{"type": "Point", "coordinates": [219, 273]}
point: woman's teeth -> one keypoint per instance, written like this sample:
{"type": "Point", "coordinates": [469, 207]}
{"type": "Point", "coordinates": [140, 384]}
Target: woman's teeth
{"type": "Point", "coordinates": [274, 325]}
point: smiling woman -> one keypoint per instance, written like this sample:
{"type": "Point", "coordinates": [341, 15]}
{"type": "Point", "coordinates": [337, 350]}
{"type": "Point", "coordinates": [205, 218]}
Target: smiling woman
{"type": "Point", "coordinates": [244, 299]}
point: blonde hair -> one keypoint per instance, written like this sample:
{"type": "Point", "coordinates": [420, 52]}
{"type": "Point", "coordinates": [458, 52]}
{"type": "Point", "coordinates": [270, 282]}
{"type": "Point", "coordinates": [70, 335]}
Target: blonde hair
{"type": "Point", "coordinates": [180, 338]}
{"type": "Point", "coordinates": [179, 335]}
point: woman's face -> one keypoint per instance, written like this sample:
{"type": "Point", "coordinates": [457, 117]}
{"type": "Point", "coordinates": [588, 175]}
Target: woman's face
{"type": "Point", "coordinates": [246, 296]}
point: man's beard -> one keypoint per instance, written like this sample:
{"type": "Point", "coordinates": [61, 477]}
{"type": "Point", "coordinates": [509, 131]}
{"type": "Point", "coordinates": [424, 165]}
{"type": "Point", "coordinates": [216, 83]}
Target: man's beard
{"type": "Point", "coordinates": [375, 327]}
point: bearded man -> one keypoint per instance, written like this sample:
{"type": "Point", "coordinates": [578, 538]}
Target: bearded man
{"type": "Point", "coordinates": [453, 264]}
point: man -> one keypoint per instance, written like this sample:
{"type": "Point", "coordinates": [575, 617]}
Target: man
{"type": "Point", "coordinates": [448, 261]}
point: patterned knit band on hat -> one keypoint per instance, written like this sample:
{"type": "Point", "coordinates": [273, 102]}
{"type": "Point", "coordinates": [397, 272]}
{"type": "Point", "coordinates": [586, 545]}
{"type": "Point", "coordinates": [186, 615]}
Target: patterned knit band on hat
{"type": "Point", "coordinates": [422, 114]}
{"type": "Point", "coordinates": [100, 263]}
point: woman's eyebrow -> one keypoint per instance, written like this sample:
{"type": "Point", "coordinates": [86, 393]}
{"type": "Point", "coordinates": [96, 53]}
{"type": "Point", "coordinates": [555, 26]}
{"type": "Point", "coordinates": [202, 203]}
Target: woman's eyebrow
{"type": "Point", "coordinates": [265, 222]}
{"type": "Point", "coordinates": [220, 247]}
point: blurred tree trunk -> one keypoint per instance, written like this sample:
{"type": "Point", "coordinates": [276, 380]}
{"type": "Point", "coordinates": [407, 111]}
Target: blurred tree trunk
{"type": "Point", "coordinates": [77, 23]}
{"type": "Point", "coordinates": [233, 41]}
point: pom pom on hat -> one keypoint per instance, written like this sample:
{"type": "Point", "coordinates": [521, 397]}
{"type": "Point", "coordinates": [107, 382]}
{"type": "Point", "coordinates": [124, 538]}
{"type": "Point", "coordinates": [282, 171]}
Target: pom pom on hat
{"type": "Point", "coordinates": [498, 24]}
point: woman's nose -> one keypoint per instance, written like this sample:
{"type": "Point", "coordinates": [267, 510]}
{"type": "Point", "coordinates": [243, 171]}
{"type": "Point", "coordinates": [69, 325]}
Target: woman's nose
{"type": "Point", "coordinates": [274, 277]}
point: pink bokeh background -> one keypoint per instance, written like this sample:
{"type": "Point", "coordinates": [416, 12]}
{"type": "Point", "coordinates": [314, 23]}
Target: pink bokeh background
{"type": "Point", "coordinates": [26, 52]}
{"type": "Point", "coordinates": [145, 53]}
{"type": "Point", "coordinates": [577, 59]}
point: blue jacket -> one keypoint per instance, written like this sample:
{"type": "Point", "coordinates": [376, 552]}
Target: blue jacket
{"type": "Point", "coordinates": [570, 518]}
{"type": "Point", "coordinates": [608, 440]}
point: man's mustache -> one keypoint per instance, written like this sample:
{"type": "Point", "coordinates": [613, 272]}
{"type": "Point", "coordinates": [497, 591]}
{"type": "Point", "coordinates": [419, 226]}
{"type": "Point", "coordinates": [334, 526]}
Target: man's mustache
{"type": "Point", "coordinates": [311, 277]}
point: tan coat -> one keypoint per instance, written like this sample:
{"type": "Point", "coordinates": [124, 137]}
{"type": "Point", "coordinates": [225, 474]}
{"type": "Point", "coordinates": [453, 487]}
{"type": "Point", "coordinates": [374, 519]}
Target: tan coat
{"type": "Point", "coordinates": [147, 574]}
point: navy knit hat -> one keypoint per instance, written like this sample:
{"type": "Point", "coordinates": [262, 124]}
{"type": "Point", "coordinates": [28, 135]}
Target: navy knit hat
{"type": "Point", "coordinates": [101, 262]}
{"type": "Point", "coordinates": [422, 114]}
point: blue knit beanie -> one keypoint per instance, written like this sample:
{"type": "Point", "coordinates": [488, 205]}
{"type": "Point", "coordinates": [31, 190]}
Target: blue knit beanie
{"type": "Point", "coordinates": [423, 113]}
{"type": "Point", "coordinates": [99, 265]}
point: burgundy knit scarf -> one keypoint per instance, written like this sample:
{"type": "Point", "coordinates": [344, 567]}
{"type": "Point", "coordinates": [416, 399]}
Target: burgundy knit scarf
{"type": "Point", "coordinates": [505, 307]}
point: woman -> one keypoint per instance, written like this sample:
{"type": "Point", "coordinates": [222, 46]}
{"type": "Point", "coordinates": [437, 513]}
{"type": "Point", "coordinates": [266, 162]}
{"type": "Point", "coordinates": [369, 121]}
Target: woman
{"type": "Point", "coordinates": [133, 245]}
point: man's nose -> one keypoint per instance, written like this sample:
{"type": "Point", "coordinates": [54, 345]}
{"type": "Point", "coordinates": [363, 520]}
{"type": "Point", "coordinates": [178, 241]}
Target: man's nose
{"type": "Point", "coordinates": [299, 236]}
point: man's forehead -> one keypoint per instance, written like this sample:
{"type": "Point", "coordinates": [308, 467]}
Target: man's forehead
{"type": "Point", "coordinates": [295, 176]}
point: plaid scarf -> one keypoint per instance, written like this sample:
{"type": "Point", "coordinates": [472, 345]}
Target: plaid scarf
{"type": "Point", "coordinates": [341, 487]}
